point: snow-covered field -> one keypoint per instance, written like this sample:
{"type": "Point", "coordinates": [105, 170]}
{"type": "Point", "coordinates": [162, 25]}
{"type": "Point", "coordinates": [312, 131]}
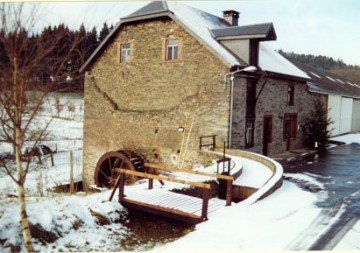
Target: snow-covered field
{"type": "Point", "coordinates": [89, 222]}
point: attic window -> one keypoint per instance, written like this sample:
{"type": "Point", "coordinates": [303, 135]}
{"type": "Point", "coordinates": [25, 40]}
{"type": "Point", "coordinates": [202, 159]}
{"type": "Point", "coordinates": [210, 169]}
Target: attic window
{"type": "Point", "coordinates": [172, 49]}
{"type": "Point", "coordinates": [125, 51]}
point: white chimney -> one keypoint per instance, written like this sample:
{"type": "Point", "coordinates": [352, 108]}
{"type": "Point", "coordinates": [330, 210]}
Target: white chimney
{"type": "Point", "coordinates": [232, 17]}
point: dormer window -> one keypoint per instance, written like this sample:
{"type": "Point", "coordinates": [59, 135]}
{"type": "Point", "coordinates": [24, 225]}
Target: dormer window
{"type": "Point", "coordinates": [172, 49]}
{"type": "Point", "coordinates": [125, 52]}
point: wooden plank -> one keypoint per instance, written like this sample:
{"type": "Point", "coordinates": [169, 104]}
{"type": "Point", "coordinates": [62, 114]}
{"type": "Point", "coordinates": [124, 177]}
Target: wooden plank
{"type": "Point", "coordinates": [175, 180]}
{"type": "Point", "coordinates": [147, 196]}
{"type": "Point", "coordinates": [169, 168]}
{"type": "Point", "coordinates": [172, 211]}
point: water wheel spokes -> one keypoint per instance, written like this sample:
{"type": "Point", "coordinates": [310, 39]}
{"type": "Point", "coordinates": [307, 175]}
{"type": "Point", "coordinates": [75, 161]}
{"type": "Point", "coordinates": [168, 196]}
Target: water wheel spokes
{"type": "Point", "coordinates": [105, 175]}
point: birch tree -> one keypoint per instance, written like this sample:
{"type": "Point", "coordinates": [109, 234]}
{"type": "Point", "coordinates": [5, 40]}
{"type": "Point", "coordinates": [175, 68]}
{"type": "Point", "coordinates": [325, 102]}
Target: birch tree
{"type": "Point", "coordinates": [26, 64]}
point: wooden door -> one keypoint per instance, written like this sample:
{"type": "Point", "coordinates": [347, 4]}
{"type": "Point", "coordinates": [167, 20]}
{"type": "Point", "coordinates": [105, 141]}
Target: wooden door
{"type": "Point", "coordinates": [267, 133]}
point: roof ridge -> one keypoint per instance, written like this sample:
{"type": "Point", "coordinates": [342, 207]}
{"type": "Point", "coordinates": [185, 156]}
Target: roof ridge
{"type": "Point", "coordinates": [165, 5]}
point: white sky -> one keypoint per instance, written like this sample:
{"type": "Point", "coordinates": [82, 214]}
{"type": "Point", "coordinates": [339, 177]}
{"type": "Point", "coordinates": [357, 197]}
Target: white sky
{"type": "Point", "coordinates": [319, 27]}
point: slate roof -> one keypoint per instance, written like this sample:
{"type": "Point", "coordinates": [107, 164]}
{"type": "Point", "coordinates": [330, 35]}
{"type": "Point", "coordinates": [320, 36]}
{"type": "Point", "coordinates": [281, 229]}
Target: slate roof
{"type": "Point", "coordinates": [153, 7]}
{"type": "Point", "coordinates": [264, 31]}
{"type": "Point", "coordinates": [201, 25]}
{"type": "Point", "coordinates": [328, 83]}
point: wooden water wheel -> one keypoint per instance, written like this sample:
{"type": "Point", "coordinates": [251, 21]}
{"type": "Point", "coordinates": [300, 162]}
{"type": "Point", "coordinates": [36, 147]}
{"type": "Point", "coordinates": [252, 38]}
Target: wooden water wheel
{"type": "Point", "coordinates": [105, 175]}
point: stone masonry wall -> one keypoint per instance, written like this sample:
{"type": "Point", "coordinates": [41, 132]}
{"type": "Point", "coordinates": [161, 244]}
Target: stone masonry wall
{"type": "Point", "coordinates": [141, 104]}
{"type": "Point", "coordinates": [272, 101]}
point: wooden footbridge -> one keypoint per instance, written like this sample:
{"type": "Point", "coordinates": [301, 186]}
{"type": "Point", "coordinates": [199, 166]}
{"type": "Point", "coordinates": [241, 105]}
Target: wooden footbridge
{"type": "Point", "coordinates": [170, 204]}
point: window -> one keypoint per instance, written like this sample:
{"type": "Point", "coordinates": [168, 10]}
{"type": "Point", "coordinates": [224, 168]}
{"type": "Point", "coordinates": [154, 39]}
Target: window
{"type": "Point", "coordinates": [125, 51]}
{"type": "Point", "coordinates": [290, 95]}
{"type": "Point", "coordinates": [172, 49]}
{"type": "Point", "coordinates": [249, 133]}
{"type": "Point", "coordinates": [290, 125]}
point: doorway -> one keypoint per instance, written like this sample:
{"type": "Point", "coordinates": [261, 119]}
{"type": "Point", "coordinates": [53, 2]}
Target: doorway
{"type": "Point", "coordinates": [267, 133]}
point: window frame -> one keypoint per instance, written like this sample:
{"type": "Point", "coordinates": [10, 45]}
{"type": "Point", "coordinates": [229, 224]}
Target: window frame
{"type": "Point", "coordinates": [249, 132]}
{"type": "Point", "coordinates": [174, 49]}
{"type": "Point", "coordinates": [291, 95]}
{"type": "Point", "coordinates": [125, 53]}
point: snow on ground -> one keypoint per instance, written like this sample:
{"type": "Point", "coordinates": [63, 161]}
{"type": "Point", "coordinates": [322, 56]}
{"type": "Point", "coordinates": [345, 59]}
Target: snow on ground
{"type": "Point", "coordinates": [351, 239]}
{"type": "Point", "coordinates": [270, 224]}
{"type": "Point", "coordinates": [65, 135]}
{"type": "Point", "coordinates": [254, 174]}
{"type": "Point", "coordinates": [91, 223]}
{"type": "Point", "coordinates": [348, 138]}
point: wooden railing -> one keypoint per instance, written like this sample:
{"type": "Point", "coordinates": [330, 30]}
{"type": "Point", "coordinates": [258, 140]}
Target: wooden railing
{"type": "Point", "coordinates": [151, 177]}
{"type": "Point", "coordinates": [207, 144]}
{"type": "Point", "coordinates": [151, 174]}
{"type": "Point", "coordinates": [229, 179]}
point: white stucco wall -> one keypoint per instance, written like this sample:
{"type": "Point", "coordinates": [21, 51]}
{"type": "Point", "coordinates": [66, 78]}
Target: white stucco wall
{"type": "Point", "coordinates": [346, 115]}
{"type": "Point", "coordinates": [334, 113]}
{"type": "Point", "coordinates": [355, 126]}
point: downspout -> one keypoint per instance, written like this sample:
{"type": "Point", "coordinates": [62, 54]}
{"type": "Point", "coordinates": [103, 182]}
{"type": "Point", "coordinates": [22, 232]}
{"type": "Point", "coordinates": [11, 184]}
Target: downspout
{"type": "Point", "coordinates": [246, 69]}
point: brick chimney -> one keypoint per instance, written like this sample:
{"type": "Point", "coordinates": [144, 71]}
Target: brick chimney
{"type": "Point", "coordinates": [232, 17]}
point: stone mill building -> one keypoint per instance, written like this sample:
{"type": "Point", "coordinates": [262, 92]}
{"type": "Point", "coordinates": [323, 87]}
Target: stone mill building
{"type": "Point", "coordinates": [168, 76]}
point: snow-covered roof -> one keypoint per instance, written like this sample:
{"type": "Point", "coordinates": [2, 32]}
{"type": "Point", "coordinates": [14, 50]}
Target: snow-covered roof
{"type": "Point", "coordinates": [270, 60]}
{"type": "Point", "coordinates": [200, 25]}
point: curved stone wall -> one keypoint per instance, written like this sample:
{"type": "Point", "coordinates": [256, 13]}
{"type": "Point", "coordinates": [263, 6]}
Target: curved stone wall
{"type": "Point", "coordinates": [274, 182]}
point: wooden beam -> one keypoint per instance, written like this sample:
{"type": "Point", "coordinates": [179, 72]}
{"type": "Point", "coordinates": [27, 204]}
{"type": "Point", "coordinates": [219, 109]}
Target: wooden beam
{"type": "Point", "coordinates": [115, 187]}
{"type": "Point", "coordinates": [121, 187]}
{"type": "Point", "coordinates": [169, 168]}
{"type": "Point", "coordinates": [170, 179]}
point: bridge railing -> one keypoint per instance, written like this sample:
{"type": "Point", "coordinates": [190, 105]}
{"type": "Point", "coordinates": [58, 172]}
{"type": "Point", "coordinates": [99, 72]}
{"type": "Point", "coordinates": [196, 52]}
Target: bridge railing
{"type": "Point", "coordinates": [121, 184]}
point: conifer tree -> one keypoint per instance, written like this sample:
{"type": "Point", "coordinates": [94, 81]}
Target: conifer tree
{"type": "Point", "coordinates": [316, 132]}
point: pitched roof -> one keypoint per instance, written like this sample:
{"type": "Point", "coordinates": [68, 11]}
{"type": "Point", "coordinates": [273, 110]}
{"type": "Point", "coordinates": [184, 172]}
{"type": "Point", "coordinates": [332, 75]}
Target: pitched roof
{"type": "Point", "coordinates": [153, 7]}
{"type": "Point", "coordinates": [201, 25]}
{"type": "Point", "coordinates": [264, 31]}
{"type": "Point", "coordinates": [328, 83]}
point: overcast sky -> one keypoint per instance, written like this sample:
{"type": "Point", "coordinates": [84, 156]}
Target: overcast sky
{"type": "Point", "coordinates": [319, 27]}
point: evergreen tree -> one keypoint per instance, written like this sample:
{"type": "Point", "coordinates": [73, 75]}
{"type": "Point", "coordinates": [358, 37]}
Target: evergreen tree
{"type": "Point", "coordinates": [316, 133]}
{"type": "Point", "coordinates": [104, 32]}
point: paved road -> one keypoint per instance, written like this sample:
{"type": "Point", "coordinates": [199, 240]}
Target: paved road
{"type": "Point", "coordinates": [339, 171]}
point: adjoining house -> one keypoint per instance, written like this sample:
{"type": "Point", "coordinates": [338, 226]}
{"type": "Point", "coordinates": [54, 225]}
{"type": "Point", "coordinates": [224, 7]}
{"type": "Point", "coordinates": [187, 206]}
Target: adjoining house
{"type": "Point", "coordinates": [342, 98]}
{"type": "Point", "coordinates": [168, 76]}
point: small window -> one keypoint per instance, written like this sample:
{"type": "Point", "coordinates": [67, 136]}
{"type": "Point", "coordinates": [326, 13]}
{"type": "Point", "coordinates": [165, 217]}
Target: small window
{"type": "Point", "coordinates": [125, 52]}
{"type": "Point", "coordinates": [290, 125]}
{"type": "Point", "coordinates": [172, 49]}
{"type": "Point", "coordinates": [249, 133]}
{"type": "Point", "coordinates": [290, 95]}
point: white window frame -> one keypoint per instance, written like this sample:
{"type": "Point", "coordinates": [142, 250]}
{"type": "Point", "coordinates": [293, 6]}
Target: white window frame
{"type": "Point", "coordinates": [125, 52]}
{"type": "Point", "coordinates": [172, 49]}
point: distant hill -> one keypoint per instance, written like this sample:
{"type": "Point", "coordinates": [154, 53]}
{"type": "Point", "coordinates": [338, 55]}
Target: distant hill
{"type": "Point", "coordinates": [352, 72]}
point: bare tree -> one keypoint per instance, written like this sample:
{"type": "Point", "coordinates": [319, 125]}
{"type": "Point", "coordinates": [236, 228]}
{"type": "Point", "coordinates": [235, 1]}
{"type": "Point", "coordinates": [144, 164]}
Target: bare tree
{"type": "Point", "coordinates": [28, 72]}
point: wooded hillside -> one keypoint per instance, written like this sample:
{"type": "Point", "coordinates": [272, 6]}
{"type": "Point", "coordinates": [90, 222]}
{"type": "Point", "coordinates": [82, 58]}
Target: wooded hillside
{"type": "Point", "coordinates": [352, 72]}
{"type": "Point", "coordinates": [69, 79]}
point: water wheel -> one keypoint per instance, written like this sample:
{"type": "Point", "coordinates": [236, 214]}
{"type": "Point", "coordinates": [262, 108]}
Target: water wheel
{"type": "Point", "coordinates": [105, 175]}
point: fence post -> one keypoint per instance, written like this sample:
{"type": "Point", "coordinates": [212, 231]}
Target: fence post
{"type": "Point", "coordinates": [228, 192]}
{"type": "Point", "coordinates": [205, 195]}
{"type": "Point", "coordinates": [151, 183]}
{"type": "Point", "coordinates": [71, 173]}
